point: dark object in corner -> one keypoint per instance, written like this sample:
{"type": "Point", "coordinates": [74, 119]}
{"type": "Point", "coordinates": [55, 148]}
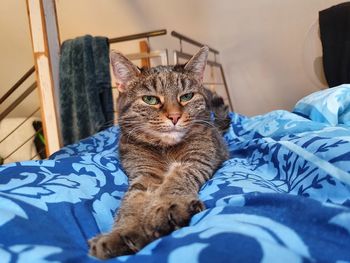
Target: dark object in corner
{"type": "Point", "coordinates": [335, 37]}
{"type": "Point", "coordinates": [39, 140]}
{"type": "Point", "coordinates": [1, 160]}
{"type": "Point", "coordinates": [86, 103]}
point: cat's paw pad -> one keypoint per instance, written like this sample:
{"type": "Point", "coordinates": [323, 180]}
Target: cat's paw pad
{"type": "Point", "coordinates": [179, 214]}
{"type": "Point", "coordinates": [106, 246]}
{"type": "Point", "coordinates": [171, 214]}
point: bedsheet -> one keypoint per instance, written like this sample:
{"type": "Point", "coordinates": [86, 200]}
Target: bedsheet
{"type": "Point", "coordinates": [283, 196]}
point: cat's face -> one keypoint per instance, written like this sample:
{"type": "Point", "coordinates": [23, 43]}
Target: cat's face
{"type": "Point", "coordinates": [162, 104]}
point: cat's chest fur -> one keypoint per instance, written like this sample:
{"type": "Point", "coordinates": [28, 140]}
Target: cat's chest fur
{"type": "Point", "coordinates": [200, 144]}
{"type": "Point", "coordinates": [194, 142]}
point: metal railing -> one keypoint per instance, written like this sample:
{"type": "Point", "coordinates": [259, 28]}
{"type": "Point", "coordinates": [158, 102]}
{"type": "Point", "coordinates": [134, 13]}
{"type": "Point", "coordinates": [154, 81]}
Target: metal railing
{"type": "Point", "coordinates": [163, 54]}
{"type": "Point", "coordinates": [147, 35]}
{"type": "Point", "coordinates": [183, 55]}
{"type": "Point", "coordinates": [17, 84]}
{"type": "Point", "coordinates": [17, 101]}
{"type": "Point", "coordinates": [191, 41]}
{"type": "Point", "coordinates": [13, 105]}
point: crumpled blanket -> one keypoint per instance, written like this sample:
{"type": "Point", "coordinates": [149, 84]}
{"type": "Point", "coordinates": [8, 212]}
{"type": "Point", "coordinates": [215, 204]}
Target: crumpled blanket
{"type": "Point", "coordinates": [283, 196]}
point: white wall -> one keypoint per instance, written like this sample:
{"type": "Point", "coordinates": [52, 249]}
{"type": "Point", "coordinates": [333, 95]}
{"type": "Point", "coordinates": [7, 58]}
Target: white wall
{"type": "Point", "coordinates": [16, 54]}
{"type": "Point", "coordinates": [267, 47]}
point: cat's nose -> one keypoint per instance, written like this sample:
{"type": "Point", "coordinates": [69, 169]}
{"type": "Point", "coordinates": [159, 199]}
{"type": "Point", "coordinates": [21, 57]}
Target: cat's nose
{"type": "Point", "coordinates": [174, 117]}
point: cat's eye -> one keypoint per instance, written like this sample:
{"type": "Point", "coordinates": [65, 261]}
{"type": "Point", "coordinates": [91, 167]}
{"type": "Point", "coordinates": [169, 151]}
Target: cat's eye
{"type": "Point", "coordinates": [151, 100]}
{"type": "Point", "coordinates": [186, 97]}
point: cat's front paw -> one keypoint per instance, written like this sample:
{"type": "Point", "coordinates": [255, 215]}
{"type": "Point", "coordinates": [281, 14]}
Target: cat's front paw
{"type": "Point", "coordinates": [180, 212]}
{"type": "Point", "coordinates": [170, 214]}
{"type": "Point", "coordinates": [107, 246]}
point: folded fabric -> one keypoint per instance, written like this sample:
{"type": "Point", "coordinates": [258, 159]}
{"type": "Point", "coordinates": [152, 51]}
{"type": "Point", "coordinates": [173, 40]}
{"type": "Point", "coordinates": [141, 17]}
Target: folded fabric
{"type": "Point", "coordinates": [86, 104]}
{"type": "Point", "coordinates": [331, 106]}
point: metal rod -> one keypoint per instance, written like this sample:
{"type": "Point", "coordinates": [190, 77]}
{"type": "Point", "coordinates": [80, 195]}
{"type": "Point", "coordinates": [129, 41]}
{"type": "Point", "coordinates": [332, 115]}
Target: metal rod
{"type": "Point", "coordinates": [42, 150]}
{"type": "Point", "coordinates": [226, 87]}
{"type": "Point", "coordinates": [15, 150]}
{"type": "Point", "coordinates": [17, 101]}
{"type": "Point", "coordinates": [17, 84]}
{"type": "Point", "coordinates": [19, 125]}
{"type": "Point", "coordinates": [191, 41]}
{"type": "Point", "coordinates": [188, 56]}
{"type": "Point", "coordinates": [210, 63]}
{"type": "Point", "coordinates": [138, 36]}
{"type": "Point", "coordinates": [35, 155]}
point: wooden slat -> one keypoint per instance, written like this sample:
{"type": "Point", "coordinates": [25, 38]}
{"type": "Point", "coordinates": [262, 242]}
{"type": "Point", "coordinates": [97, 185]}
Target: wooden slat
{"type": "Point", "coordinates": [45, 40]}
{"type": "Point", "coordinates": [144, 48]}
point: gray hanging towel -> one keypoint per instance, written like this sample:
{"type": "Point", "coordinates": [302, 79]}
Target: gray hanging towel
{"type": "Point", "coordinates": [86, 104]}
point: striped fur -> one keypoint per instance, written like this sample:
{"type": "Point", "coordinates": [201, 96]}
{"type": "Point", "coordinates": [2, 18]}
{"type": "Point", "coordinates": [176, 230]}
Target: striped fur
{"type": "Point", "coordinates": [166, 164]}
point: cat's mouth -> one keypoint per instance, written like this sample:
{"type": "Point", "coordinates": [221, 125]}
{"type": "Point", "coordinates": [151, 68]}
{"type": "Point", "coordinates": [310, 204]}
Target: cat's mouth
{"type": "Point", "coordinates": [175, 129]}
{"type": "Point", "coordinates": [172, 129]}
{"type": "Point", "coordinates": [171, 136]}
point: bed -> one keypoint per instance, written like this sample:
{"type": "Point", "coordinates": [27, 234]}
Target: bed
{"type": "Point", "coordinates": [284, 196]}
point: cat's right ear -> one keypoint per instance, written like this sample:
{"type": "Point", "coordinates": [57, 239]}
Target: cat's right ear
{"type": "Point", "coordinates": [123, 69]}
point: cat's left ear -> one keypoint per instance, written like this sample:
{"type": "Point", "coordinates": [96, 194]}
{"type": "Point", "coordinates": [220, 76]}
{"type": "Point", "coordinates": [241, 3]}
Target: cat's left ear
{"type": "Point", "coordinates": [198, 62]}
{"type": "Point", "coordinates": [124, 70]}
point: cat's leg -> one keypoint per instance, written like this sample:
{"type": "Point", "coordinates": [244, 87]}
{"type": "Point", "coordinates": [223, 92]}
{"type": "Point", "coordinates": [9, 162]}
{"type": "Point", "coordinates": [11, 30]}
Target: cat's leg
{"type": "Point", "coordinates": [127, 235]}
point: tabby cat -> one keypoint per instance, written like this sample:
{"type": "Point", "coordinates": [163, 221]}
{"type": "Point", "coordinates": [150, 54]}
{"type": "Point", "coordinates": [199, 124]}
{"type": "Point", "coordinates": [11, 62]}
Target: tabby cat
{"type": "Point", "coordinates": [169, 147]}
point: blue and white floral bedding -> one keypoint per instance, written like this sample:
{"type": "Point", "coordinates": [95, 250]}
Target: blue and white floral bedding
{"type": "Point", "coordinates": [284, 196]}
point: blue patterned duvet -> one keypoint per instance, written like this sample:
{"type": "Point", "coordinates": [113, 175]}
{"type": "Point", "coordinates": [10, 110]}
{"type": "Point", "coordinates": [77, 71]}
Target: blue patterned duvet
{"type": "Point", "coordinates": [284, 196]}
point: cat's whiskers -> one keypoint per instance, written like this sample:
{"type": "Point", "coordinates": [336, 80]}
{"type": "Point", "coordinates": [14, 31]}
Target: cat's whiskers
{"type": "Point", "coordinates": [135, 129]}
{"type": "Point", "coordinates": [122, 121]}
{"type": "Point", "coordinates": [207, 123]}
{"type": "Point", "coordinates": [107, 123]}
